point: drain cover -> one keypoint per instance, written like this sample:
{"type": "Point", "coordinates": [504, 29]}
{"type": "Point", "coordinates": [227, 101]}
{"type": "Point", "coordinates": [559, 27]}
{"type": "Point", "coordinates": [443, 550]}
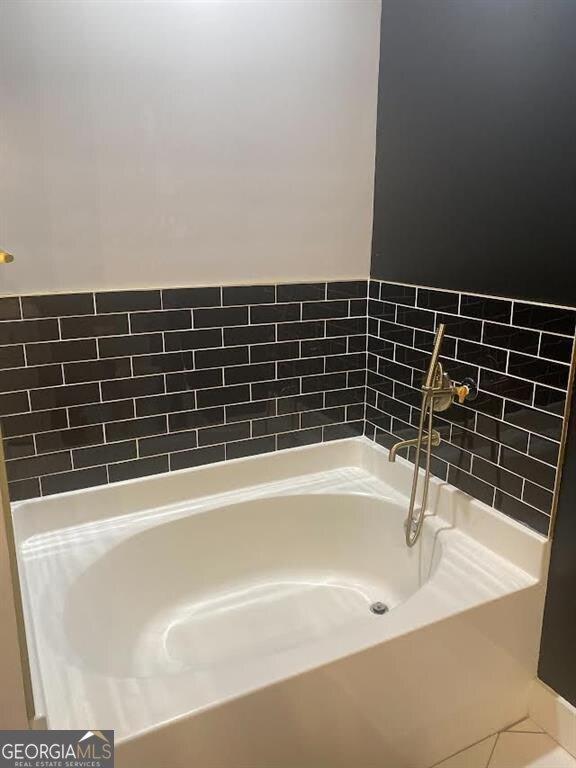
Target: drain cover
{"type": "Point", "coordinates": [379, 608]}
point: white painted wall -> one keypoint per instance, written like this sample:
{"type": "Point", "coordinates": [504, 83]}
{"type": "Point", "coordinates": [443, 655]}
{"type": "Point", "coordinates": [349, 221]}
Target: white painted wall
{"type": "Point", "coordinates": [180, 143]}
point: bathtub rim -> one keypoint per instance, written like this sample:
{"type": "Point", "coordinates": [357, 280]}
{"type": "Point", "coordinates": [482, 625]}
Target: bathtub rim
{"type": "Point", "coordinates": [512, 540]}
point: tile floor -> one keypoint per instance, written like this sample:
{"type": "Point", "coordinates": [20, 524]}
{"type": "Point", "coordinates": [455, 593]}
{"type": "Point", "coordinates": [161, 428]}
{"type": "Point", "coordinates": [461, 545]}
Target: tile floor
{"type": "Point", "coordinates": [524, 745]}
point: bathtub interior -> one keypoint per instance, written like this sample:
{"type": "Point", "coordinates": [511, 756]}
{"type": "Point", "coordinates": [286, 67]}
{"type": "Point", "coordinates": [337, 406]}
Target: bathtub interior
{"type": "Point", "coordinates": [238, 581]}
{"type": "Point", "coordinates": [152, 599]}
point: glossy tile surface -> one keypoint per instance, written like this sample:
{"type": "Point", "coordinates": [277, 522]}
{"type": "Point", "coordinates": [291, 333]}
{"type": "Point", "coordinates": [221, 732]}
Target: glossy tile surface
{"type": "Point", "coordinates": [143, 363]}
{"type": "Point", "coordinates": [270, 350]}
{"type": "Point", "coordinates": [504, 446]}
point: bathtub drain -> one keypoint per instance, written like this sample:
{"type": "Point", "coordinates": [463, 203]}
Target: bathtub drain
{"type": "Point", "coordinates": [379, 608]}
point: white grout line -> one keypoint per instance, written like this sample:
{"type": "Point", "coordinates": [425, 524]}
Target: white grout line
{"type": "Point", "coordinates": [472, 293]}
{"type": "Point", "coordinates": [480, 367]}
{"type": "Point", "coordinates": [473, 319]}
{"type": "Point", "coordinates": [350, 374]}
{"type": "Point", "coordinates": [475, 477]}
{"type": "Point", "coordinates": [501, 445]}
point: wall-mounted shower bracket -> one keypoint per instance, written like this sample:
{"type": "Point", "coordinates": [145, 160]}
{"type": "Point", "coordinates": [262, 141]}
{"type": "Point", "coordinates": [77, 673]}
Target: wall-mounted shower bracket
{"type": "Point", "coordinates": [438, 394]}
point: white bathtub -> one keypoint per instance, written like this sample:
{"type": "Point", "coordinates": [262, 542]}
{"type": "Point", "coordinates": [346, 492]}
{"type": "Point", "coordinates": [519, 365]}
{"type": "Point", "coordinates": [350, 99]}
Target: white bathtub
{"type": "Point", "coordinates": [220, 617]}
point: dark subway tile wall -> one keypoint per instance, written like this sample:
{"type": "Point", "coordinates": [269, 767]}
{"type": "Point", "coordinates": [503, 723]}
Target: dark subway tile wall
{"type": "Point", "coordinates": [502, 448]}
{"type": "Point", "coordinates": [98, 388]}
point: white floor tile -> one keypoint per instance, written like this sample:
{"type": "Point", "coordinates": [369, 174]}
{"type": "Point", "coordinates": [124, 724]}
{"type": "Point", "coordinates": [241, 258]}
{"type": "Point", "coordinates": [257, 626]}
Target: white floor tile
{"type": "Point", "coordinates": [526, 726]}
{"type": "Point", "coordinates": [476, 756]}
{"type": "Point", "coordinates": [529, 750]}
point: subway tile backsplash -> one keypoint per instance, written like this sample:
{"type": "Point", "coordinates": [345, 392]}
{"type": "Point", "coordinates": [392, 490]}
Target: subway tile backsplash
{"type": "Point", "coordinates": [504, 447]}
{"type": "Point", "coordinates": [97, 388]}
